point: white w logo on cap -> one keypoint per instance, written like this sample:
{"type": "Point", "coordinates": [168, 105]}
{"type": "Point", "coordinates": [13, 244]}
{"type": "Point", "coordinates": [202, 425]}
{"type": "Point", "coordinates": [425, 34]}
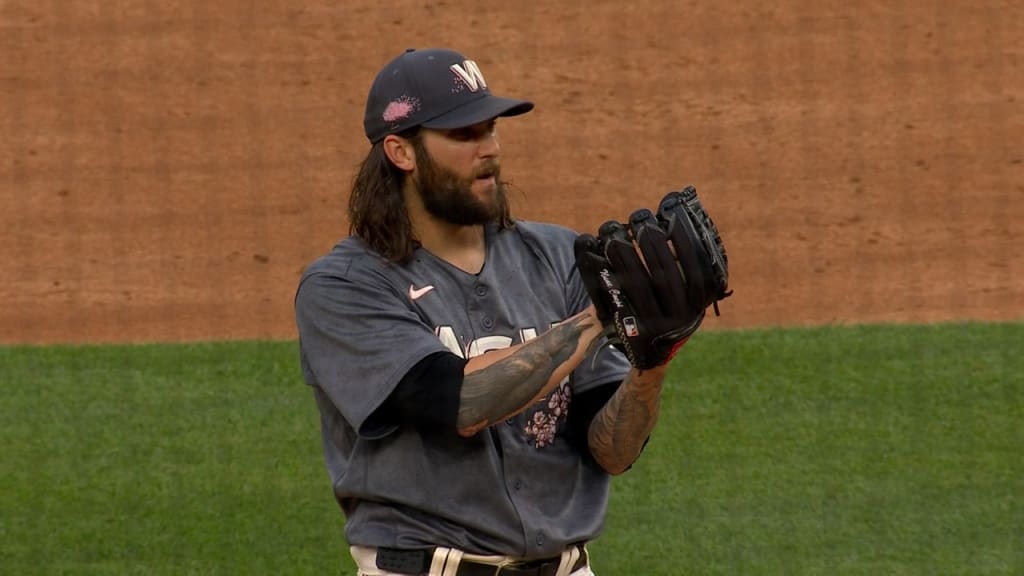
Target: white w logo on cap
{"type": "Point", "coordinates": [470, 74]}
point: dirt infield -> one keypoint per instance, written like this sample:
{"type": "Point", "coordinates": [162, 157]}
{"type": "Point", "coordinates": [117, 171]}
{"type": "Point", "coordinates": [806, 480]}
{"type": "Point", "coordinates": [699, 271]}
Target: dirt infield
{"type": "Point", "coordinates": [168, 168]}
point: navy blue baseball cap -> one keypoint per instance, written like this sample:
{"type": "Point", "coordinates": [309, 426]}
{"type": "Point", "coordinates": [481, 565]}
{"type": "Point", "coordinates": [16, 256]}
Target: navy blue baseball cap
{"type": "Point", "coordinates": [432, 88]}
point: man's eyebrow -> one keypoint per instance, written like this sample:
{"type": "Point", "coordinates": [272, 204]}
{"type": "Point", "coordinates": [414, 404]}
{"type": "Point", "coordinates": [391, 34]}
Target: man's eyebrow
{"type": "Point", "coordinates": [478, 128]}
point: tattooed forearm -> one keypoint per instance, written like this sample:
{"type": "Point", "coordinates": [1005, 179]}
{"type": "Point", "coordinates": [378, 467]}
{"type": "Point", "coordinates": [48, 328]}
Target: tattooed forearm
{"type": "Point", "coordinates": [619, 430]}
{"type": "Point", "coordinates": [508, 386]}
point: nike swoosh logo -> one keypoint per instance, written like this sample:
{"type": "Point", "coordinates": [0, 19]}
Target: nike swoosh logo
{"type": "Point", "coordinates": [417, 293]}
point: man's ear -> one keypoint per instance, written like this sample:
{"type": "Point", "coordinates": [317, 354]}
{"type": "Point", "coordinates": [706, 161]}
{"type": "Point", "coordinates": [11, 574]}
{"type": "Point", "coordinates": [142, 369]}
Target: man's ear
{"type": "Point", "coordinates": [400, 151]}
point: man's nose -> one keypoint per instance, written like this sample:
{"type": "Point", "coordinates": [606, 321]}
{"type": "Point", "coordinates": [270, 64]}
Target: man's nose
{"type": "Point", "coordinates": [489, 145]}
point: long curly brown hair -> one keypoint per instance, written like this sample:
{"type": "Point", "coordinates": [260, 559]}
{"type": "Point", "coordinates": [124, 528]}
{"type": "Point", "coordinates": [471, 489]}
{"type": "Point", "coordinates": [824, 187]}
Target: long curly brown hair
{"type": "Point", "coordinates": [377, 211]}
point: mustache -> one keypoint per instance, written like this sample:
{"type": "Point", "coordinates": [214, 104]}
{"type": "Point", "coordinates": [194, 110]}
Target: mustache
{"type": "Point", "coordinates": [489, 168]}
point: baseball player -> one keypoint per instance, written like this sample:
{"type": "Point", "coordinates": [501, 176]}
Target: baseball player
{"type": "Point", "coordinates": [472, 413]}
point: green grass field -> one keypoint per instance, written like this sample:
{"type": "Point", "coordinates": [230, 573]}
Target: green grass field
{"type": "Point", "coordinates": [844, 450]}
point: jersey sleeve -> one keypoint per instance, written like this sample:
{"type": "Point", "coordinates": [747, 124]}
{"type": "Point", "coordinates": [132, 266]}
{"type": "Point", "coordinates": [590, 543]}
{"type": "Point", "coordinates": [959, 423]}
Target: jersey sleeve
{"type": "Point", "coordinates": [358, 338]}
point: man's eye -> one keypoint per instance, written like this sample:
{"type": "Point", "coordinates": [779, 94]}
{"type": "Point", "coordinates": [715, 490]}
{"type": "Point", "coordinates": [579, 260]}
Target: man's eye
{"type": "Point", "coordinates": [472, 132]}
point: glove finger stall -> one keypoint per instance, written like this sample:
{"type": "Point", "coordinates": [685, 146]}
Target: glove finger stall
{"type": "Point", "coordinates": [629, 269]}
{"type": "Point", "coordinates": [595, 272]}
{"type": "Point", "coordinates": [688, 247]}
{"type": "Point", "coordinates": [666, 277]}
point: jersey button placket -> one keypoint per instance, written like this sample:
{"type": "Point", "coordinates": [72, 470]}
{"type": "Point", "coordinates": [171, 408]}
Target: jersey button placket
{"type": "Point", "coordinates": [481, 290]}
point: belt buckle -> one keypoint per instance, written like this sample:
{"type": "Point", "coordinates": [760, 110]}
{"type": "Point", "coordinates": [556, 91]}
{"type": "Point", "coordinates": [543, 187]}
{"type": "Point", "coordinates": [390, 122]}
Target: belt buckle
{"type": "Point", "coordinates": [499, 570]}
{"type": "Point", "coordinates": [511, 568]}
{"type": "Point", "coordinates": [538, 570]}
{"type": "Point", "coordinates": [506, 569]}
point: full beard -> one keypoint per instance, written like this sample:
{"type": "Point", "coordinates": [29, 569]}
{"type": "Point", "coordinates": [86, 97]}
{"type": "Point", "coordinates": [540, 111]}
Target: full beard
{"type": "Point", "coordinates": [450, 198]}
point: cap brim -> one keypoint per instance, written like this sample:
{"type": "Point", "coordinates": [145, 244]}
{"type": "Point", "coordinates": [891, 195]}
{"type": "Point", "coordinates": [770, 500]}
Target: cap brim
{"type": "Point", "coordinates": [479, 110]}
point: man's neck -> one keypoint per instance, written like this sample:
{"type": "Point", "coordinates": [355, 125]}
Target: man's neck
{"type": "Point", "coordinates": [464, 247]}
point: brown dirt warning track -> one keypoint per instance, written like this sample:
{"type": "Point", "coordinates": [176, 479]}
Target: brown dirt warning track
{"type": "Point", "coordinates": [168, 168]}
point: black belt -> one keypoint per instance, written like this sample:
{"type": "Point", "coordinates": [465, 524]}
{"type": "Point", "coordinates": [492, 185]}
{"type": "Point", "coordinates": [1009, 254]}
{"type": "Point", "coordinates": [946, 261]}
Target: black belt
{"type": "Point", "coordinates": [418, 562]}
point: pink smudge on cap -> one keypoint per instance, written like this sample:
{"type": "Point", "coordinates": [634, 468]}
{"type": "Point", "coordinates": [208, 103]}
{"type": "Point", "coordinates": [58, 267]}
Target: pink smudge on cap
{"type": "Point", "coordinates": [400, 109]}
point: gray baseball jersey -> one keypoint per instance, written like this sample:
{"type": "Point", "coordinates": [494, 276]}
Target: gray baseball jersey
{"type": "Point", "coordinates": [517, 488]}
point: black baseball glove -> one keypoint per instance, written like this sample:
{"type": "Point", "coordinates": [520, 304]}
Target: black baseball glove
{"type": "Point", "coordinates": [650, 305]}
